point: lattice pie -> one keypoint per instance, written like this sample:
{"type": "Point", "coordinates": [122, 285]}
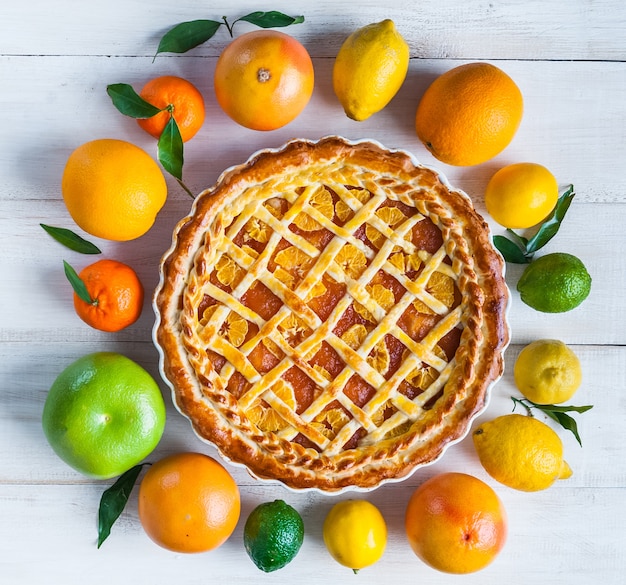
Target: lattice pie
{"type": "Point", "coordinates": [331, 314]}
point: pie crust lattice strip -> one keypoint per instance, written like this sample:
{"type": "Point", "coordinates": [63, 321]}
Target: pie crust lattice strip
{"type": "Point", "coordinates": [331, 315]}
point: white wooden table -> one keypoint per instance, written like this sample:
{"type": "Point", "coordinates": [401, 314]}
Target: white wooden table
{"type": "Point", "coordinates": [56, 58]}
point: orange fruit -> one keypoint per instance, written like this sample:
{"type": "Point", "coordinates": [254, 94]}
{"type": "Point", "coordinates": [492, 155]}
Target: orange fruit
{"type": "Point", "coordinates": [178, 95]}
{"type": "Point", "coordinates": [117, 295]}
{"type": "Point", "coordinates": [113, 189]}
{"type": "Point", "coordinates": [455, 523]}
{"type": "Point", "coordinates": [188, 503]}
{"type": "Point", "coordinates": [264, 79]}
{"type": "Point", "coordinates": [469, 114]}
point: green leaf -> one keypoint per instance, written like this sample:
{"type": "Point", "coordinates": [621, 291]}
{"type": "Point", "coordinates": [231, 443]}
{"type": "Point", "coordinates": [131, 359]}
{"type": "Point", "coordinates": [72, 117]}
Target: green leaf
{"type": "Point", "coordinates": [511, 252]}
{"type": "Point", "coordinates": [71, 240]}
{"type": "Point", "coordinates": [129, 103]}
{"type": "Point", "coordinates": [521, 241]}
{"type": "Point", "coordinates": [78, 285]}
{"type": "Point", "coordinates": [556, 413]}
{"type": "Point", "coordinates": [170, 149]}
{"type": "Point", "coordinates": [113, 501]}
{"type": "Point", "coordinates": [272, 19]}
{"type": "Point", "coordinates": [551, 225]}
{"type": "Point", "coordinates": [555, 408]}
{"type": "Point", "coordinates": [187, 35]}
{"type": "Point", "coordinates": [567, 422]}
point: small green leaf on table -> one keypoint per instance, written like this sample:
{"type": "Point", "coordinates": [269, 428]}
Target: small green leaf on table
{"type": "Point", "coordinates": [510, 251]}
{"type": "Point", "coordinates": [78, 285]}
{"type": "Point", "coordinates": [271, 19]}
{"type": "Point", "coordinates": [114, 500]}
{"type": "Point", "coordinates": [187, 35]}
{"type": "Point", "coordinates": [71, 240]}
{"type": "Point", "coordinates": [551, 225]}
{"type": "Point", "coordinates": [129, 102]}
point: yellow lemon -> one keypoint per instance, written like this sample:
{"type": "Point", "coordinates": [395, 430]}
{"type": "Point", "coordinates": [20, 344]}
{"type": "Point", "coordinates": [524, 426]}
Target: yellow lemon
{"type": "Point", "coordinates": [521, 195]}
{"type": "Point", "coordinates": [355, 533]}
{"type": "Point", "coordinates": [370, 68]}
{"type": "Point", "coordinates": [521, 452]}
{"type": "Point", "coordinates": [547, 372]}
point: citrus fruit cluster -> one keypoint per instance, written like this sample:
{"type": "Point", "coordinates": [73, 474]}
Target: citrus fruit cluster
{"type": "Point", "coordinates": [467, 116]}
{"type": "Point", "coordinates": [454, 523]}
{"type": "Point", "coordinates": [105, 414]}
{"type": "Point", "coordinates": [521, 451]}
{"type": "Point", "coordinates": [189, 503]}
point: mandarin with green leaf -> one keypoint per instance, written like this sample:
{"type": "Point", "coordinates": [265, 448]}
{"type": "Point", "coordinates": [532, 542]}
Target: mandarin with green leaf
{"type": "Point", "coordinates": [175, 97]}
{"type": "Point", "coordinates": [115, 295]}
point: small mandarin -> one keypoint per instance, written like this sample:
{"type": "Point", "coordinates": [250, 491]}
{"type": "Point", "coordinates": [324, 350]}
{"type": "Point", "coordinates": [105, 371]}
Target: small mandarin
{"type": "Point", "coordinates": [264, 79]}
{"type": "Point", "coordinates": [188, 503]}
{"type": "Point", "coordinates": [116, 292]}
{"type": "Point", "coordinates": [182, 97]}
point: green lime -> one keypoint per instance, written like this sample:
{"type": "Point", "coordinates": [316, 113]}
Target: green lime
{"type": "Point", "coordinates": [554, 283]}
{"type": "Point", "coordinates": [273, 535]}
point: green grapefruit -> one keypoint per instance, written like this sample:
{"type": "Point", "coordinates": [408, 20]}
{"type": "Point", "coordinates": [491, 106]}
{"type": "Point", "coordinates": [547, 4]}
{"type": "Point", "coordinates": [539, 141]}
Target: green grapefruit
{"type": "Point", "coordinates": [103, 414]}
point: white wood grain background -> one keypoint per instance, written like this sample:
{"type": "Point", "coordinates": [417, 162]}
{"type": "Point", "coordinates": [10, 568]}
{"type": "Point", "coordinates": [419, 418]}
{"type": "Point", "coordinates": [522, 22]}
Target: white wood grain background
{"type": "Point", "coordinates": [56, 58]}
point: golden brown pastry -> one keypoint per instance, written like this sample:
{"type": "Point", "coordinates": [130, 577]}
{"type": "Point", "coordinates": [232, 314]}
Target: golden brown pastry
{"type": "Point", "coordinates": [331, 314]}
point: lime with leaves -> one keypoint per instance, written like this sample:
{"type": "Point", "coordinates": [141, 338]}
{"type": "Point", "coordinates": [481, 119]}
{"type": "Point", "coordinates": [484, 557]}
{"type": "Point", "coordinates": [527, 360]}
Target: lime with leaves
{"type": "Point", "coordinates": [273, 535]}
{"type": "Point", "coordinates": [555, 283]}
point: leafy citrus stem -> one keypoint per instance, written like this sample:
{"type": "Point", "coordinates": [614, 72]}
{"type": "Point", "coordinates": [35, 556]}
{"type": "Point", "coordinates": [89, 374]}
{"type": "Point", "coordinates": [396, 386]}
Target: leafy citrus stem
{"type": "Point", "coordinates": [228, 26]}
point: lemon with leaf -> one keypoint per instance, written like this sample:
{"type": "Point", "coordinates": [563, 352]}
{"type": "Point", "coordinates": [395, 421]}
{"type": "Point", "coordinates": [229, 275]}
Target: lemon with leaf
{"type": "Point", "coordinates": [521, 452]}
{"type": "Point", "coordinates": [521, 195]}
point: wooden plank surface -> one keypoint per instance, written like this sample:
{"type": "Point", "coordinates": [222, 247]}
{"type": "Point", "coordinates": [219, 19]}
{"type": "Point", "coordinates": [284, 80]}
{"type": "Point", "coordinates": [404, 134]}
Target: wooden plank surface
{"type": "Point", "coordinates": [509, 29]}
{"type": "Point", "coordinates": [569, 59]}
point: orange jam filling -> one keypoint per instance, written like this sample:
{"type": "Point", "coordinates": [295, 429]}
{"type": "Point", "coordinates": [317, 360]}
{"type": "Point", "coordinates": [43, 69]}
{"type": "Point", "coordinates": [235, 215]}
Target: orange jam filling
{"type": "Point", "coordinates": [290, 266]}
